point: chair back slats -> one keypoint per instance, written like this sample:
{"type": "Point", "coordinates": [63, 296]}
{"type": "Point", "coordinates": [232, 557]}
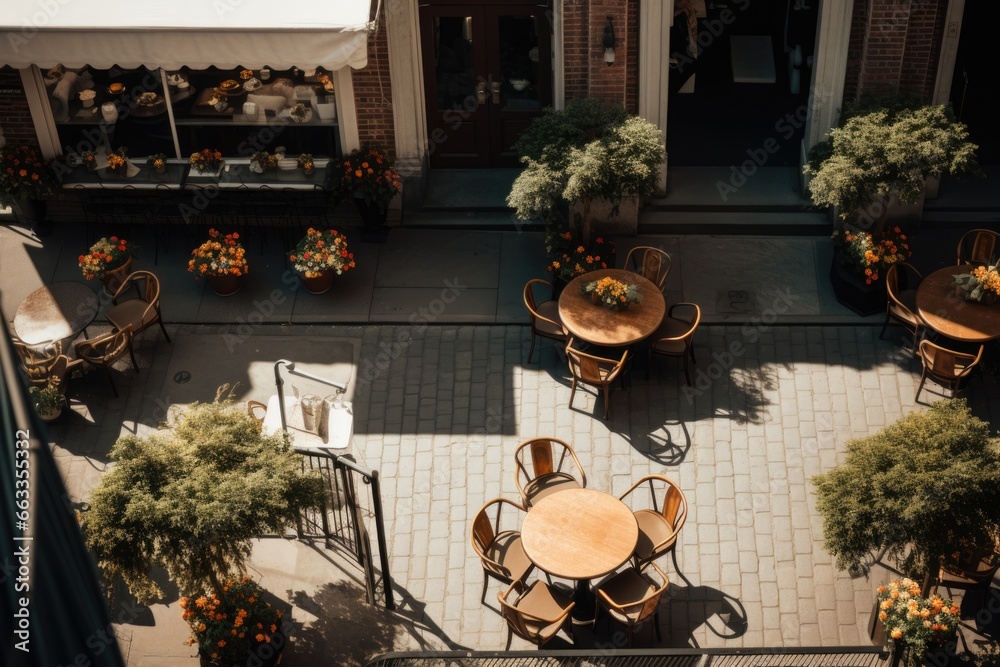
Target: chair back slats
{"type": "Point", "coordinates": [651, 264]}
{"type": "Point", "coordinates": [944, 363]}
{"type": "Point", "coordinates": [982, 248]}
{"type": "Point", "coordinates": [673, 506]}
{"type": "Point", "coordinates": [542, 462]}
{"type": "Point", "coordinates": [482, 530]}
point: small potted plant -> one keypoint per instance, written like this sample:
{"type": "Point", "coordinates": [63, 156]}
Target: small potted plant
{"type": "Point", "coordinates": [110, 260]}
{"type": "Point", "coordinates": [262, 162]}
{"type": "Point", "coordinates": [221, 260]}
{"type": "Point", "coordinates": [981, 285]}
{"type": "Point", "coordinates": [860, 261]}
{"type": "Point", "coordinates": [207, 161]}
{"type": "Point", "coordinates": [612, 294]}
{"type": "Point", "coordinates": [118, 162]}
{"type": "Point", "coordinates": [25, 182]}
{"type": "Point", "coordinates": [48, 400]}
{"type": "Point", "coordinates": [370, 181]}
{"type": "Point", "coordinates": [320, 256]}
{"type": "Point", "coordinates": [569, 257]}
{"type": "Point", "coordinates": [912, 621]}
{"type": "Point", "coordinates": [89, 159]}
{"type": "Point", "coordinates": [306, 163]}
{"type": "Point", "coordinates": [158, 162]}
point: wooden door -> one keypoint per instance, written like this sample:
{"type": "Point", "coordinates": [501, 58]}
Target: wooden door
{"type": "Point", "coordinates": [487, 75]}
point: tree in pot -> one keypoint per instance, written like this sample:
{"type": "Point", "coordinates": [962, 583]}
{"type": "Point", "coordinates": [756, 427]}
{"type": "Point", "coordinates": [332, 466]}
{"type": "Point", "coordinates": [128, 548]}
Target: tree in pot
{"type": "Point", "coordinates": [591, 150]}
{"type": "Point", "coordinates": [191, 502]}
{"type": "Point", "coordinates": [368, 179]}
{"type": "Point", "coordinates": [26, 183]}
{"type": "Point", "coordinates": [48, 400]}
{"type": "Point", "coordinates": [921, 490]}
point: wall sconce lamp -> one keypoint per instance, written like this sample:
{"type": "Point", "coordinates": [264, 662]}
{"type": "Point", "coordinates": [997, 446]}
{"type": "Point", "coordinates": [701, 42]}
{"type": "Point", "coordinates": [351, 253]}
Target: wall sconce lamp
{"type": "Point", "coordinates": [609, 43]}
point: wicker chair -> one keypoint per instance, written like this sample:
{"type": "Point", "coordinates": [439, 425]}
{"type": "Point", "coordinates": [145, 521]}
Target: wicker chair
{"type": "Point", "coordinates": [977, 246]}
{"type": "Point", "coordinates": [901, 306]}
{"type": "Point", "coordinates": [598, 372]}
{"type": "Point", "coordinates": [105, 350]}
{"type": "Point", "coordinates": [499, 550]}
{"type": "Point", "coordinates": [675, 337]}
{"type": "Point", "coordinates": [632, 596]}
{"type": "Point", "coordinates": [544, 315]}
{"type": "Point", "coordinates": [549, 457]}
{"type": "Point", "coordinates": [659, 526]}
{"type": "Point", "coordinates": [139, 313]}
{"type": "Point", "coordinates": [651, 263]}
{"type": "Point", "coordinates": [947, 367]}
{"type": "Point", "coordinates": [536, 612]}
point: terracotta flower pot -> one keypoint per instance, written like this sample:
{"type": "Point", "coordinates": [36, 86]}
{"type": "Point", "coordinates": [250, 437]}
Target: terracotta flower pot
{"type": "Point", "coordinates": [320, 284]}
{"type": "Point", "coordinates": [113, 278]}
{"type": "Point", "coordinates": [224, 285]}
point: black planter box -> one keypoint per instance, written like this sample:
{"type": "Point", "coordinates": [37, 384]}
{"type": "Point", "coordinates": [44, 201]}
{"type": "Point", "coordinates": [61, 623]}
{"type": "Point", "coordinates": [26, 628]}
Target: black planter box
{"type": "Point", "coordinates": [852, 291]}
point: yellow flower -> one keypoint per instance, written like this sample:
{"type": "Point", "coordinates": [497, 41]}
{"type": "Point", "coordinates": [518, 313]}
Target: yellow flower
{"type": "Point", "coordinates": [897, 633]}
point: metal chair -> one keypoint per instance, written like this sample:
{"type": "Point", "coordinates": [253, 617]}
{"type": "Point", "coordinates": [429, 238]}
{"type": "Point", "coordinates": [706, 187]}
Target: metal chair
{"type": "Point", "coordinates": [945, 366]}
{"type": "Point", "coordinates": [550, 462]}
{"type": "Point", "coordinates": [138, 313]}
{"type": "Point", "coordinates": [500, 551]}
{"type": "Point", "coordinates": [675, 337]}
{"type": "Point", "coordinates": [536, 612]}
{"type": "Point", "coordinates": [651, 263]}
{"type": "Point", "coordinates": [598, 372]}
{"type": "Point", "coordinates": [544, 316]}
{"type": "Point", "coordinates": [901, 282]}
{"type": "Point", "coordinates": [659, 526]}
{"type": "Point", "coordinates": [631, 597]}
{"type": "Point", "coordinates": [983, 244]}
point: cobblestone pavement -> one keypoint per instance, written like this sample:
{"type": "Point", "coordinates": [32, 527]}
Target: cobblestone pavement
{"type": "Point", "coordinates": [440, 410]}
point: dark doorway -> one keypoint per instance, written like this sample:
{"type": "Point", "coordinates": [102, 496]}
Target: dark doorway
{"type": "Point", "coordinates": [739, 81]}
{"type": "Point", "coordinates": [487, 75]}
{"type": "Point", "coordinates": [974, 80]}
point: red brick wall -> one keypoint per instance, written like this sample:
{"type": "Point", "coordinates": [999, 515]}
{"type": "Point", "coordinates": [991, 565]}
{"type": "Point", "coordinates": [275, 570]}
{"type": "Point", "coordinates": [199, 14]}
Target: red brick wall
{"type": "Point", "coordinates": [373, 95]}
{"type": "Point", "coordinates": [576, 48]}
{"type": "Point", "coordinates": [894, 48]}
{"type": "Point", "coordinates": [15, 119]}
{"type": "Point", "coordinates": [585, 73]}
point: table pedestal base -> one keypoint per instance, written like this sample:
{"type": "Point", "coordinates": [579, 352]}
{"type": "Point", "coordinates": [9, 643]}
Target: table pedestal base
{"type": "Point", "coordinates": [585, 608]}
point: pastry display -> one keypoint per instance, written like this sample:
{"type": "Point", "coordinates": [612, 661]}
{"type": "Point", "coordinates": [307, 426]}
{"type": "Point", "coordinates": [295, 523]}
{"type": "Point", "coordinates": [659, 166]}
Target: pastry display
{"type": "Point", "coordinates": [149, 100]}
{"type": "Point", "coordinates": [116, 88]}
{"type": "Point", "coordinates": [229, 86]}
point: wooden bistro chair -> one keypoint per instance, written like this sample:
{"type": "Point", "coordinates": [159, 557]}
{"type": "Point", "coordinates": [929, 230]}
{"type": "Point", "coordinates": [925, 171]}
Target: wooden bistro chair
{"type": "Point", "coordinates": [632, 596]}
{"type": "Point", "coordinates": [550, 459]}
{"type": "Point", "coordinates": [901, 282]}
{"type": "Point", "coordinates": [659, 526]}
{"type": "Point", "coordinates": [675, 337]}
{"type": "Point", "coordinates": [651, 263]}
{"type": "Point", "coordinates": [974, 572]}
{"type": "Point", "coordinates": [105, 350]}
{"type": "Point", "coordinates": [139, 313]}
{"type": "Point", "coordinates": [544, 315]}
{"type": "Point", "coordinates": [536, 612]}
{"type": "Point", "coordinates": [947, 367]}
{"type": "Point", "coordinates": [977, 246]}
{"type": "Point", "coordinates": [598, 372]}
{"type": "Point", "coordinates": [500, 551]}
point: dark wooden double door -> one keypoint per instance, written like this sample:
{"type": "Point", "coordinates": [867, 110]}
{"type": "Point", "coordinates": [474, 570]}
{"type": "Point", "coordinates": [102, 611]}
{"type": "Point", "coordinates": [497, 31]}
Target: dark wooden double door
{"type": "Point", "coordinates": [487, 75]}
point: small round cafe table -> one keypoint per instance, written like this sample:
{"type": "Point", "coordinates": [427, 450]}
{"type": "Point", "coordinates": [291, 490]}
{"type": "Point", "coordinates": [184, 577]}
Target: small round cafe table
{"type": "Point", "coordinates": [948, 313]}
{"type": "Point", "coordinates": [593, 323]}
{"type": "Point", "coordinates": [579, 534]}
{"type": "Point", "coordinates": [56, 312]}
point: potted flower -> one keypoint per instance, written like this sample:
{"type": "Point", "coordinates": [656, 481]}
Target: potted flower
{"type": "Point", "coordinates": [110, 260]}
{"type": "Point", "coordinates": [118, 162]}
{"type": "Point", "coordinates": [229, 625]}
{"type": "Point", "coordinates": [25, 182]}
{"type": "Point", "coordinates": [369, 180]}
{"type": "Point", "coordinates": [48, 400]}
{"type": "Point", "coordinates": [262, 162]}
{"type": "Point", "coordinates": [860, 260]}
{"type": "Point", "coordinates": [982, 284]}
{"type": "Point", "coordinates": [569, 257]}
{"type": "Point", "coordinates": [320, 256]}
{"type": "Point", "coordinates": [612, 294]}
{"type": "Point", "coordinates": [158, 162]}
{"type": "Point", "coordinates": [306, 163]}
{"type": "Point", "coordinates": [222, 260]}
{"type": "Point", "coordinates": [300, 113]}
{"type": "Point", "coordinates": [89, 159]}
{"type": "Point", "coordinates": [911, 621]}
{"type": "Point", "coordinates": [207, 161]}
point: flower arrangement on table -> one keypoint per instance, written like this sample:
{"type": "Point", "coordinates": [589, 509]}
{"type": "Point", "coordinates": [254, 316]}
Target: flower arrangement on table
{"type": "Point", "coordinates": [105, 255]}
{"type": "Point", "coordinates": [861, 253]}
{"type": "Point", "coordinates": [23, 175]}
{"type": "Point", "coordinates": [320, 251]}
{"type": "Point", "coordinates": [569, 257]}
{"type": "Point", "coordinates": [923, 624]}
{"type": "Point", "coordinates": [262, 162]}
{"type": "Point", "coordinates": [220, 255]}
{"type": "Point", "coordinates": [982, 284]}
{"type": "Point", "coordinates": [158, 162]}
{"type": "Point", "coordinates": [612, 293]}
{"type": "Point", "coordinates": [239, 623]}
{"type": "Point", "coordinates": [118, 161]}
{"type": "Point", "coordinates": [368, 175]}
{"type": "Point", "coordinates": [306, 163]}
{"type": "Point", "coordinates": [207, 159]}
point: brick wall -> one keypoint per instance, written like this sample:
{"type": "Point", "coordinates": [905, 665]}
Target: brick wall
{"type": "Point", "coordinates": [373, 95]}
{"type": "Point", "coordinates": [15, 119]}
{"type": "Point", "coordinates": [894, 48]}
{"type": "Point", "coordinates": [585, 73]}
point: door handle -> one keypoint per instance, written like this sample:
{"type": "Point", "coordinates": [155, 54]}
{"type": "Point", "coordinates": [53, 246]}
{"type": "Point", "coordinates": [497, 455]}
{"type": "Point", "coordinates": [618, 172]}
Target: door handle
{"type": "Point", "coordinates": [495, 87]}
{"type": "Point", "coordinates": [481, 92]}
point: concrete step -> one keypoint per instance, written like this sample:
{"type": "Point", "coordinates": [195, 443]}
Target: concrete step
{"type": "Point", "coordinates": [736, 222]}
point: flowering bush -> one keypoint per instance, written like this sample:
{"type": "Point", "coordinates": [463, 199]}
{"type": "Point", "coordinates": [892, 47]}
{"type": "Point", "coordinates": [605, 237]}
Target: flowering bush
{"type": "Point", "coordinates": [984, 281]}
{"type": "Point", "coordinates": [208, 159]}
{"type": "Point", "coordinates": [368, 175]}
{"type": "Point", "coordinates": [320, 251]}
{"type": "Point", "coordinates": [23, 175]}
{"type": "Point", "coordinates": [924, 624]}
{"type": "Point", "coordinates": [861, 253]}
{"type": "Point", "coordinates": [239, 622]}
{"type": "Point", "coordinates": [219, 256]}
{"type": "Point", "coordinates": [105, 255]}
{"type": "Point", "coordinates": [612, 293]}
{"type": "Point", "coordinates": [569, 258]}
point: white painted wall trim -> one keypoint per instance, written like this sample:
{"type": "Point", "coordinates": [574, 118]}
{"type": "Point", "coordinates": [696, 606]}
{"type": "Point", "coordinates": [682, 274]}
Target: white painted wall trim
{"type": "Point", "coordinates": [347, 114]}
{"type": "Point", "coordinates": [826, 94]}
{"type": "Point", "coordinates": [949, 51]}
{"type": "Point", "coordinates": [41, 113]}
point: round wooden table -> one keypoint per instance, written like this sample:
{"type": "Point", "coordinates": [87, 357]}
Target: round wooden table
{"type": "Point", "coordinates": [56, 312]}
{"type": "Point", "coordinates": [579, 534]}
{"type": "Point", "coordinates": [593, 323]}
{"type": "Point", "coordinates": [950, 314]}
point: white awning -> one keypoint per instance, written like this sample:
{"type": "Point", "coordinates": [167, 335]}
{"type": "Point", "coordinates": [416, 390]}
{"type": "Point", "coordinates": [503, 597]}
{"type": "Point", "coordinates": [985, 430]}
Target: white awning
{"type": "Point", "coordinates": [195, 33]}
